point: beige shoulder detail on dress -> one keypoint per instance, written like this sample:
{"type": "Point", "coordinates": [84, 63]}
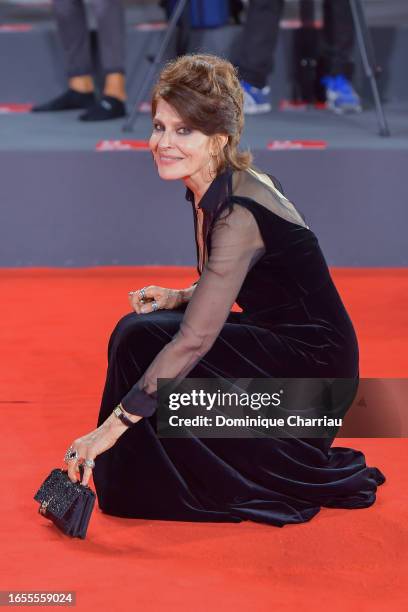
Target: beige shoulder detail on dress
{"type": "Point", "coordinates": [264, 178]}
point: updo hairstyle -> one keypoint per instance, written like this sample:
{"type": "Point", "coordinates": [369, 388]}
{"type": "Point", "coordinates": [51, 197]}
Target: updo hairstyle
{"type": "Point", "coordinates": [205, 91]}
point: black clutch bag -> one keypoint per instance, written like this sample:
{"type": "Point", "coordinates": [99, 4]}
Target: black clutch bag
{"type": "Point", "coordinates": [67, 504]}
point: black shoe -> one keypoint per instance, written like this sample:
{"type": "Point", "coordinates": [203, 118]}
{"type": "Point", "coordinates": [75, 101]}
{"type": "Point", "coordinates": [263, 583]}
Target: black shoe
{"type": "Point", "coordinates": [105, 109]}
{"type": "Point", "coordinates": [70, 100]}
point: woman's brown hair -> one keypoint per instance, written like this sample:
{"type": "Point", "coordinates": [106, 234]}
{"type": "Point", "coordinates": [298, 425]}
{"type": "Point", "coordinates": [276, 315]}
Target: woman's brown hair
{"type": "Point", "coordinates": [205, 91]}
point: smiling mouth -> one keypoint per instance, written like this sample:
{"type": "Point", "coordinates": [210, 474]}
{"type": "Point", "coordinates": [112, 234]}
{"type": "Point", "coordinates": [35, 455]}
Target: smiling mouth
{"type": "Point", "coordinates": [168, 157]}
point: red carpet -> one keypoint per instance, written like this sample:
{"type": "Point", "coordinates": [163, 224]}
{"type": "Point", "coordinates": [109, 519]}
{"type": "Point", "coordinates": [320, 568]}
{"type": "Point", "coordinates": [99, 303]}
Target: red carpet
{"type": "Point", "coordinates": [54, 329]}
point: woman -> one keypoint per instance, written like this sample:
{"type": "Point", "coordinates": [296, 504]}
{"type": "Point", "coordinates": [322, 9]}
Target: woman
{"type": "Point", "coordinates": [255, 249]}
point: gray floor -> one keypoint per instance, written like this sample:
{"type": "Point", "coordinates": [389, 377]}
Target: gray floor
{"type": "Point", "coordinates": [63, 132]}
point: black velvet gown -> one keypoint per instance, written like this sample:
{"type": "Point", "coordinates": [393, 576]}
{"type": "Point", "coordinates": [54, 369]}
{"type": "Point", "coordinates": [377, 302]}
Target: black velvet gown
{"type": "Point", "coordinates": [253, 248]}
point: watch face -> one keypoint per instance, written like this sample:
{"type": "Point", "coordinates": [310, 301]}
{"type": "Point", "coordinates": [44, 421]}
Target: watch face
{"type": "Point", "coordinates": [122, 417]}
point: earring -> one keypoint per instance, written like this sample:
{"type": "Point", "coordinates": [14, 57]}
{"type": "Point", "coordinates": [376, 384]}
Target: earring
{"type": "Point", "coordinates": [211, 173]}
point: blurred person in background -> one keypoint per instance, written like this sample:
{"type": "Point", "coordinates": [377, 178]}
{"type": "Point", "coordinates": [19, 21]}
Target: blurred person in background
{"type": "Point", "coordinates": [256, 58]}
{"type": "Point", "coordinates": [75, 39]}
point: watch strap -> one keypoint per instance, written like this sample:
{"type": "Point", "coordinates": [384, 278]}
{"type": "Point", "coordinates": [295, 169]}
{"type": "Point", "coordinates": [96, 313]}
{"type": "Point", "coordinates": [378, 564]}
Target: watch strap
{"type": "Point", "coordinates": [119, 413]}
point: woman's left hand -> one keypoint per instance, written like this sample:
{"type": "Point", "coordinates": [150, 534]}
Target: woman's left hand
{"type": "Point", "coordinates": [95, 443]}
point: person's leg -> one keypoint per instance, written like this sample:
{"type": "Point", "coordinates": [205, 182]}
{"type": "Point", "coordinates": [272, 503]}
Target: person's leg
{"type": "Point", "coordinates": [338, 41]}
{"type": "Point", "coordinates": [259, 41]}
{"type": "Point", "coordinates": [110, 21]}
{"type": "Point", "coordinates": [135, 477]}
{"type": "Point", "coordinates": [338, 37]}
{"type": "Point", "coordinates": [74, 35]}
{"type": "Point", "coordinates": [143, 475]}
{"type": "Point", "coordinates": [256, 55]}
{"type": "Point", "coordinates": [111, 39]}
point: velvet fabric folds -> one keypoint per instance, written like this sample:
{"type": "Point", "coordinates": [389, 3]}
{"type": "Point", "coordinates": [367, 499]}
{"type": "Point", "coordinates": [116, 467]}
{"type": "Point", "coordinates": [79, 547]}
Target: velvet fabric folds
{"type": "Point", "coordinates": [262, 255]}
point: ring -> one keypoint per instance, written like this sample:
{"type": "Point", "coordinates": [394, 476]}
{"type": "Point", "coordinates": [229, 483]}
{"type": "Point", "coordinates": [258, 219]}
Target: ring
{"type": "Point", "coordinates": [71, 454]}
{"type": "Point", "coordinates": [142, 294]}
{"type": "Point", "coordinates": [89, 463]}
{"type": "Point", "coordinates": [155, 305]}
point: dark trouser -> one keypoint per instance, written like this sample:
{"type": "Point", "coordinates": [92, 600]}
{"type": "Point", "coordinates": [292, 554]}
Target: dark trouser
{"type": "Point", "coordinates": [261, 30]}
{"type": "Point", "coordinates": [74, 33]}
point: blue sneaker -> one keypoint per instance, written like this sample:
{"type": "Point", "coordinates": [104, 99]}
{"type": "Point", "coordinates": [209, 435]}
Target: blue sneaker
{"type": "Point", "coordinates": [255, 99]}
{"type": "Point", "coordinates": [340, 95]}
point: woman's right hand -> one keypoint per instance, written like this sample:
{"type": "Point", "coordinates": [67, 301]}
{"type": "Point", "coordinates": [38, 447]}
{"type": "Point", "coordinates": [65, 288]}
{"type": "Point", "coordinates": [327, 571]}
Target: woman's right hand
{"type": "Point", "coordinates": [166, 299]}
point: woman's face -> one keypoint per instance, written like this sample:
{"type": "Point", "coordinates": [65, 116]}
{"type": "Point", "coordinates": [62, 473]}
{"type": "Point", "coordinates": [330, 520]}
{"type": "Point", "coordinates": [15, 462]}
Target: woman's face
{"type": "Point", "coordinates": [178, 151]}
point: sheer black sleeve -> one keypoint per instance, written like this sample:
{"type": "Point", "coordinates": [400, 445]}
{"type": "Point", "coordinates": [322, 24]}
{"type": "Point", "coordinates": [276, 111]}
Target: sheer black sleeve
{"type": "Point", "coordinates": [236, 245]}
